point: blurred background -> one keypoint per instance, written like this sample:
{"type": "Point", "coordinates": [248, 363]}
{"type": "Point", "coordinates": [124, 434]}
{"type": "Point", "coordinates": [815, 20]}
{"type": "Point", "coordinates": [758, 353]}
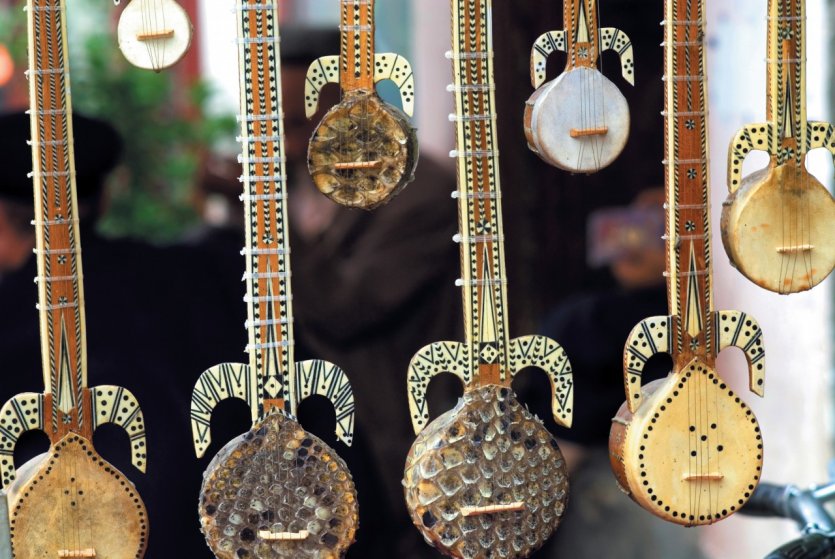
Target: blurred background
{"type": "Point", "coordinates": [173, 184]}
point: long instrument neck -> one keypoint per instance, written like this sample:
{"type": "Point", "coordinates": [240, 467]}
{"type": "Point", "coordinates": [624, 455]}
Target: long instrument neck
{"type": "Point", "coordinates": [479, 196]}
{"type": "Point", "coordinates": [581, 35]}
{"type": "Point", "coordinates": [60, 292]}
{"type": "Point", "coordinates": [787, 79]}
{"type": "Point", "coordinates": [357, 57]}
{"type": "Point", "coordinates": [267, 251]}
{"type": "Point", "coordinates": [687, 180]}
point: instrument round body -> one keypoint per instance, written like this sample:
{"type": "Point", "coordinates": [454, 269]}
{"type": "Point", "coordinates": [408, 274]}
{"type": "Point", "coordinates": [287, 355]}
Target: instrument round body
{"type": "Point", "coordinates": [71, 499]}
{"type": "Point", "coordinates": [154, 34]}
{"type": "Point", "coordinates": [363, 152]}
{"type": "Point", "coordinates": [278, 479]}
{"type": "Point", "coordinates": [578, 122]}
{"type": "Point", "coordinates": [487, 451]}
{"type": "Point", "coordinates": [778, 229]}
{"type": "Point", "coordinates": [692, 453]}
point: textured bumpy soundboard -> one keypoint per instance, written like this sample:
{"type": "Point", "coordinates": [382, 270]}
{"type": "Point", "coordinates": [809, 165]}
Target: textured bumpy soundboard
{"type": "Point", "coordinates": [364, 151]}
{"type": "Point", "coordinates": [275, 491]}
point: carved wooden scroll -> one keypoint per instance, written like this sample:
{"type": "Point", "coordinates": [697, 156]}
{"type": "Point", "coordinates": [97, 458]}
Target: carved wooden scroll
{"type": "Point", "coordinates": [579, 121]}
{"type": "Point", "coordinates": [778, 223]}
{"type": "Point", "coordinates": [68, 498]}
{"type": "Point", "coordinates": [686, 448]}
{"type": "Point", "coordinates": [314, 509]}
{"type": "Point", "coordinates": [488, 465]}
{"type": "Point", "coordinates": [364, 151]}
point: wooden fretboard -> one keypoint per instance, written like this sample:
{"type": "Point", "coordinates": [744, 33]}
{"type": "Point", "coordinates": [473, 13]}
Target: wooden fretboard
{"type": "Point", "coordinates": [787, 80]}
{"type": "Point", "coordinates": [267, 251]}
{"type": "Point", "coordinates": [688, 201]}
{"type": "Point", "coordinates": [357, 51]}
{"type": "Point", "coordinates": [479, 195]}
{"type": "Point", "coordinates": [581, 33]}
{"type": "Point", "coordinates": [60, 290]}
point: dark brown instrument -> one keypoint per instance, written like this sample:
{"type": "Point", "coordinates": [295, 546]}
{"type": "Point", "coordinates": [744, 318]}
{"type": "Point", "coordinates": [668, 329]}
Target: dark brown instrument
{"type": "Point", "coordinates": [364, 151]}
{"type": "Point", "coordinates": [485, 479]}
{"type": "Point", "coordinates": [687, 448]}
{"type": "Point", "coordinates": [275, 491]}
{"type": "Point", "coordinates": [68, 502]}
{"type": "Point", "coordinates": [778, 224]}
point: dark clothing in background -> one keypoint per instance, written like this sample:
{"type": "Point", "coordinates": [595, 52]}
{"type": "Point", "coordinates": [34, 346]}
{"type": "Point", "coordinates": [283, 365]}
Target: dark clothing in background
{"type": "Point", "coordinates": [593, 329]}
{"type": "Point", "coordinates": [155, 321]}
{"type": "Point", "coordinates": [372, 291]}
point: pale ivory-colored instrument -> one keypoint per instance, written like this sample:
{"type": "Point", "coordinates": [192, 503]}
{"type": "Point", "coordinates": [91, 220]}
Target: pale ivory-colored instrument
{"type": "Point", "coordinates": [154, 34]}
{"type": "Point", "coordinates": [485, 479]}
{"type": "Point", "coordinates": [275, 491]}
{"type": "Point", "coordinates": [579, 122]}
{"type": "Point", "coordinates": [686, 447]}
{"type": "Point", "coordinates": [68, 502]}
{"type": "Point", "coordinates": [778, 224]}
{"type": "Point", "coordinates": [364, 151]}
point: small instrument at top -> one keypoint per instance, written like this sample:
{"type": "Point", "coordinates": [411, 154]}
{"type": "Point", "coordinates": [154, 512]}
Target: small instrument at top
{"type": "Point", "coordinates": [579, 122]}
{"type": "Point", "coordinates": [686, 447]}
{"type": "Point", "coordinates": [364, 151]}
{"type": "Point", "coordinates": [68, 502]}
{"type": "Point", "coordinates": [778, 224]}
{"type": "Point", "coordinates": [485, 479]}
{"type": "Point", "coordinates": [154, 34]}
{"type": "Point", "coordinates": [275, 491]}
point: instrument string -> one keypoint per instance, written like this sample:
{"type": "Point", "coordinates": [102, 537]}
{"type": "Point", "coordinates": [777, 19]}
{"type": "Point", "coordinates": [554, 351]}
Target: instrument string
{"type": "Point", "coordinates": [599, 142]}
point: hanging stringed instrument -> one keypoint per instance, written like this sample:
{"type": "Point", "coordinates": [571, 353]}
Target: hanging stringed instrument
{"type": "Point", "coordinates": [275, 491]}
{"type": "Point", "coordinates": [777, 224]}
{"type": "Point", "coordinates": [686, 447]}
{"type": "Point", "coordinates": [579, 122]}
{"type": "Point", "coordinates": [154, 34]}
{"type": "Point", "coordinates": [485, 479]}
{"type": "Point", "coordinates": [68, 502]}
{"type": "Point", "coordinates": [364, 151]}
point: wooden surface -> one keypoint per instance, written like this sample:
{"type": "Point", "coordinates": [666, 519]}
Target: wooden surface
{"type": "Point", "coordinates": [688, 449]}
{"type": "Point", "coordinates": [154, 34]}
{"type": "Point", "coordinates": [777, 224]}
{"type": "Point", "coordinates": [272, 379]}
{"type": "Point", "coordinates": [72, 499]}
{"type": "Point", "coordinates": [69, 499]}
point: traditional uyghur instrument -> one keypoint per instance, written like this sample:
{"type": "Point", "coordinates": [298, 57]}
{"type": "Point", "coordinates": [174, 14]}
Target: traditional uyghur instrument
{"type": "Point", "coordinates": [275, 491]}
{"type": "Point", "coordinates": [154, 34]}
{"type": "Point", "coordinates": [686, 447]}
{"type": "Point", "coordinates": [485, 479]}
{"type": "Point", "coordinates": [778, 224]}
{"type": "Point", "coordinates": [579, 122]}
{"type": "Point", "coordinates": [68, 502]}
{"type": "Point", "coordinates": [364, 151]}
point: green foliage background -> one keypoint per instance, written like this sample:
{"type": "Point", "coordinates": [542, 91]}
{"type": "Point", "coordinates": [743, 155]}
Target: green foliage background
{"type": "Point", "coordinates": [163, 123]}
